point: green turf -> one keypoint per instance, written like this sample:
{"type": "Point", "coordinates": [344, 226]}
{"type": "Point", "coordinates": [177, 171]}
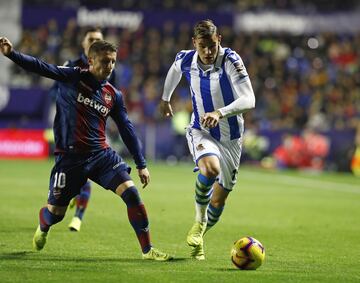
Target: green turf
{"type": "Point", "coordinates": [309, 225]}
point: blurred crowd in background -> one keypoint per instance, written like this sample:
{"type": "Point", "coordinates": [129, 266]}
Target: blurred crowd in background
{"type": "Point", "coordinates": [302, 82]}
{"type": "Point", "coordinates": [298, 81]}
{"type": "Point", "coordinates": [211, 5]}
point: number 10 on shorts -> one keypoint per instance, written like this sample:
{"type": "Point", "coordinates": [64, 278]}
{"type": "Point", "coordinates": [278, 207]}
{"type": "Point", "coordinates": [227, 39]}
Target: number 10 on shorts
{"type": "Point", "coordinates": [59, 180]}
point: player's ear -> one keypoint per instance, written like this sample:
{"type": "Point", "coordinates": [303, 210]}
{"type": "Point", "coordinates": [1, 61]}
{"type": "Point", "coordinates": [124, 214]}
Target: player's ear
{"type": "Point", "coordinates": [219, 38]}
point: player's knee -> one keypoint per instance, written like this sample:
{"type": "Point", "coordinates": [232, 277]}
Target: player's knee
{"type": "Point", "coordinates": [57, 210]}
{"type": "Point", "coordinates": [210, 166]}
{"type": "Point", "coordinates": [123, 186]}
{"type": "Point", "coordinates": [211, 170]}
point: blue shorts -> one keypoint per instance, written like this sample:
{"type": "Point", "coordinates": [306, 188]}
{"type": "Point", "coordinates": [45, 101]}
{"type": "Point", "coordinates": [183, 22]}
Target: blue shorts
{"type": "Point", "coordinates": [71, 172]}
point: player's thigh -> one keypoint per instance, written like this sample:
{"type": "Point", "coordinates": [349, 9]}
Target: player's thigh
{"type": "Point", "coordinates": [229, 164]}
{"type": "Point", "coordinates": [66, 179]}
{"type": "Point", "coordinates": [201, 145]}
{"type": "Point", "coordinates": [109, 170]}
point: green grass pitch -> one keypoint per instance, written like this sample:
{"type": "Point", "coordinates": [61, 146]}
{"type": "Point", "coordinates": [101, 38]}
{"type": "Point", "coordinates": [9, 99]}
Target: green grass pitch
{"type": "Point", "coordinates": [309, 225]}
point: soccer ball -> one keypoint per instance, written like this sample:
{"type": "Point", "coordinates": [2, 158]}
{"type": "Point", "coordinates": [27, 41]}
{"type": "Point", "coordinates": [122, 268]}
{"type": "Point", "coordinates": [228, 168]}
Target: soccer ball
{"type": "Point", "coordinates": [247, 253]}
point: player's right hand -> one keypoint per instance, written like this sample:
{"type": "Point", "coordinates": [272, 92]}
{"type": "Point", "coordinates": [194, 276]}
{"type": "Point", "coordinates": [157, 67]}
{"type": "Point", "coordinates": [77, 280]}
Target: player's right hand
{"type": "Point", "coordinates": [144, 176]}
{"type": "Point", "coordinates": [5, 46]}
{"type": "Point", "coordinates": [165, 109]}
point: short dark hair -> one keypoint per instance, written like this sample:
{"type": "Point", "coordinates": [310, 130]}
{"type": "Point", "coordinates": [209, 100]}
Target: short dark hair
{"type": "Point", "coordinates": [101, 46]}
{"type": "Point", "coordinates": [91, 29]}
{"type": "Point", "coordinates": [205, 28]}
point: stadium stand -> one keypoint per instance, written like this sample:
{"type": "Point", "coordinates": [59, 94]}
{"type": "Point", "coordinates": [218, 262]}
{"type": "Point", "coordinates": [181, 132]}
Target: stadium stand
{"type": "Point", "coordinates": [302, 81]}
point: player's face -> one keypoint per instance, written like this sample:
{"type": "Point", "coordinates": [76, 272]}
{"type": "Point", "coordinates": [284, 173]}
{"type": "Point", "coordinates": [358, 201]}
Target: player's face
{"type": "Point", "coordinates": [89, 39]}
{"type": "Point", "coordinates": [207, 48]}
{"type": "Point", "coordinates": [102, 64]}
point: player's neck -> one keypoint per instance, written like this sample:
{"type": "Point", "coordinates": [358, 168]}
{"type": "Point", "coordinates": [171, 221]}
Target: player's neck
{"type": "Point", "coordinates": [203, 66]}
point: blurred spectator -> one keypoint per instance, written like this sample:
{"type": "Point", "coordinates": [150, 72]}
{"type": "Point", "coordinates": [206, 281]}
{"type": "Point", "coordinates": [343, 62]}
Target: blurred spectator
{"type": "Point", "coordinates": [355, 161]}
{"type": "Point", "coordinates": [255, 146]}
{"type": "Point", "coordinates": [307, 151]}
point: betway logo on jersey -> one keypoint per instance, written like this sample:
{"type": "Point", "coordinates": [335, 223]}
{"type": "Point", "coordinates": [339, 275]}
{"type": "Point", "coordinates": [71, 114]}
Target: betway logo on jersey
{"type": "Point", "coordinates": [94, 104]}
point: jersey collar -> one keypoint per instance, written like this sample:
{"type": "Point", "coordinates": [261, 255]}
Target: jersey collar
{"type": "Point", "coordinates": [84, 59]}
{"type": "Point", "coordinates": [220, 57]}
{"type": "Point", "coordinates": [218, 60]}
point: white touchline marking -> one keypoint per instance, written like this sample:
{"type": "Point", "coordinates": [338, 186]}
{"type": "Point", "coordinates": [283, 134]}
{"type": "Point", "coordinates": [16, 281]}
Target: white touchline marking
{"type": "Point", "coordinates": [300, 182]}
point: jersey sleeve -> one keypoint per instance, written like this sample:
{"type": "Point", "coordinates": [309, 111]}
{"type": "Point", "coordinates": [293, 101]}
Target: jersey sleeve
{"type": "Point", "coordinates": [127, 132]}
{"type": "Point", "coordinates": [35, 65]}
{"type": "Point", "coordinates": [173, 77]}
{"type": "Point", "coordinates": [241, 85]}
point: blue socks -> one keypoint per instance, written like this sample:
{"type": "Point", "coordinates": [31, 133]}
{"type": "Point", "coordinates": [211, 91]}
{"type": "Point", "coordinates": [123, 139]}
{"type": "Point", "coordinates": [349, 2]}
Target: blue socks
{"type": "Point", "coordinates": [203, 192]}
{"type": "Point", "coordinates": [213, 215]}
{"type": "Point", "coordinates": [137, 217]}
{"type": "Point", "coordinates": [47, 219]}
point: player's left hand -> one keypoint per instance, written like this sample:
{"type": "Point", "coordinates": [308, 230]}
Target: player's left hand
{"type": "Point", "coordinates": [144, 176]}
{"type": "Point", "coordinates": [5, 46]}
{"type": "Point", "coordinates": [210, 119]}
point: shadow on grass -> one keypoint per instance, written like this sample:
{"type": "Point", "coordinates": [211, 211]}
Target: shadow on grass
{"type": "Point", "coordinates": [32, 255]}
{"type": "Point", "coordinates": [230, 269]}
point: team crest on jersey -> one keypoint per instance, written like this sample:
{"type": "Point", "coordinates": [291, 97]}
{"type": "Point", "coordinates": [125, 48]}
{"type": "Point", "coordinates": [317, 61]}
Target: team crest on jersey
{"type": "Point", "coordinates": [200, 147]}
{"type": "Point", "coordinates": [107, 98]}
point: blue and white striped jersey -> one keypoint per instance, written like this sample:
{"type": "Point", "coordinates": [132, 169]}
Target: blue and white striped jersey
{"type": "Point", "coordinates": [225, 86]}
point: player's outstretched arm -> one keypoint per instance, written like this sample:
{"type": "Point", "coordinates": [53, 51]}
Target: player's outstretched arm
{"type": "Point", "coordinates": [165, 108]}
{"type": "Point", "coordinates": [36, 65]}
{"type": "Point", "coordinates": [5, 46]}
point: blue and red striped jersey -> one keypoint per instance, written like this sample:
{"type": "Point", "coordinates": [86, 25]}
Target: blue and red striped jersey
{"type": "Point", "coordinates": [83, 105]}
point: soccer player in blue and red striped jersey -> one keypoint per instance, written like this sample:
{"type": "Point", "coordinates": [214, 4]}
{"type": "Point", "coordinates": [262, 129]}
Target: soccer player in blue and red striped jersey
{"type": "Point", "coordinates": [84, 102]}
{"type": "Point", "coordinates": [80, 202]}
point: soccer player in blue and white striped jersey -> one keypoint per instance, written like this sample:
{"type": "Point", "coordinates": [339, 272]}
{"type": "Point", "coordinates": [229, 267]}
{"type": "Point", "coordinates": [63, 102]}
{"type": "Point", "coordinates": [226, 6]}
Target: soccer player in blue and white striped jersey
{"type": "Point", "coordinates": [220, 91]}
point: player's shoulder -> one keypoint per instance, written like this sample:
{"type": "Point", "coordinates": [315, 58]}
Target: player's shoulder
{"type": "Point", "coordinates": [233, 59]}
{"type": "Point", "coordinates": [181, 55]}
{"type": "Point", "coordinates": [231, 55]}
{"type": "Point", "coordinates": [79, 62]}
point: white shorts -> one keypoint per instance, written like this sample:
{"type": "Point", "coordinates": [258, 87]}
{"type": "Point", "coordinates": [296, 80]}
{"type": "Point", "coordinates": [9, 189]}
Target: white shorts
{"type": "Point", "coordinates": [201, 144]}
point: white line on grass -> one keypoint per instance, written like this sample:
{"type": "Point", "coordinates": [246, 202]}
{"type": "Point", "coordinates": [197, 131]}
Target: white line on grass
{"type": "Point", "coordinates": [300, 182]}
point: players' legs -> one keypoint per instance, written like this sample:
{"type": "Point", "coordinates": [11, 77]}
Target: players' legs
{"type": "Point", "coordinates": [117, 179]}
{"type": "Point", "coordinates": [205, 152]}
{"type": "Point", "coordinates": [216, 206]}
{"type": "Point", "coordinates": [136, 212]}
{"type": "Point", "coordinates": [209, 167]}
{"type": "Point", "coordinates": [64, 185]}
{"type": "Point", "coordinates": [81, 202]}
{"type": "Point", "coordinates": [139, 221]}
{"type": "Point", "coordinates": [50, 215]}
{"type": "Point", "coordinates": [226, 180]}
